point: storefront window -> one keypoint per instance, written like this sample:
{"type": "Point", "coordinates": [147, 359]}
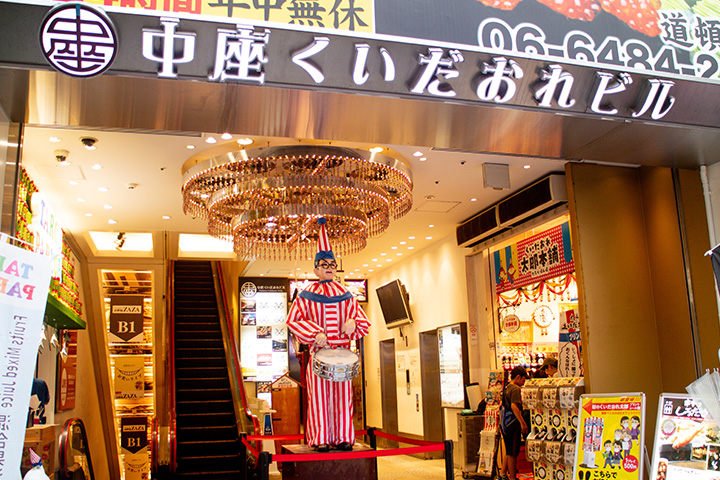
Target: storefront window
{"type": "Point", "coordinates": [535, 300]}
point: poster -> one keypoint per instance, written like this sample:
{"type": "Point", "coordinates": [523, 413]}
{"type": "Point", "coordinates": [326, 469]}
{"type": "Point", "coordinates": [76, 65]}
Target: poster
{"type": "Point", "coordinates": [134, 435]}
{"type": "Point", "coordinates": [452, 383]}
{"type": "Point", "coordinates": [25, 279]}
{"type": "Point", "coordinates": [687, 441]}
{"type": "Point", "coordinates": [126, 318]}
{"type": "Point", "coordinates": [66, 374]}
{"type": "Point", "coordinates": [611, 437]}
{"type": "Point", "coordinates": [570, 346]}
{"type": "Point", "coordinates": [130, 376]}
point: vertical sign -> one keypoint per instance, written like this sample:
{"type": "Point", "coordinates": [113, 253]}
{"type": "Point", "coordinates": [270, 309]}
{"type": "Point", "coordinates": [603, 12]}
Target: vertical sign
{"type": "Point", "coordinates": [24, 285]}
{"type": "Point", "coordinates": [570, 347]}
{"type": "Point", "coordinates": [687, 440]}
{"type": "Point", "coordinates": [134, 433]}
{"type": "Point", "coordinates": [129, 376]}
{"type": "Point", "coordinates": [126, 318]}
{"type": "Point", "coordinates": [611, 437]}
{"type": "Point", "coordinates": [66, 374]}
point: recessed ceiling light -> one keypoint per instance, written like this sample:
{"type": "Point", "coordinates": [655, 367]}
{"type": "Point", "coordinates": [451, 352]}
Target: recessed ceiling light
{"type": "Point", "coordinates": [112, 222]}
{"type": "Point", "coordinates": [262, 274]}
{"type": "Point", "coordinates": [103, 189]}
{"type": "Point", "coordinates": [473, 199]}
{"type": "Point", "coordinates": [403, 243]}
{"type": "Point", "coordinates": [418, 154]}
{"type": "Point", "coordinates": [210, 140]}
{"type": "Point", "coordinates": [388, 260]}
{"type": "Point", "coordinates": [107, 207]}
{"type": "Point", "coordinates": [55, 139]}
{"type": "Point", "coordinates": [422, 159]}
{"type": "Point", "coordinates": [370, 270]}
{"type": "Point", "coordinates": [376, 149]}
{"type": "Point", "coordinates": [526, 167]}
{"type": "Point", "coordinates": [80, 199]}
{"type": "Point", "coordinates": [399, 254]}
{"type": "Point", "coordinates": [379, 266]}
{"type": "Point", "coordinates": [73, 182]}
{"type": "Point", "coordinates": [357, 269]}
{"type": "Point", "coordinates": [394, 247]}
{"type": "Point", "coordinates": [374, 259]}
{"type": "Point", "coordinates": [383, 254]}
{"type": "Point", "coordinates": [365, 264]}
{"type": "Point", "coordinates": [97, 166]}
{"type": "Point", "coordinates": [245, 141]}
{"type": "Point", "coordinates": [410, 248]}
{"type": "Point", "coordinates": [428, 238]}
{"type": "Point", "coordinates": [88, 214]}
{"type": "Point", "coordinates": [190, 147]}
{"type": "Point", "coordinates": [166, 217]}
{"type": "Point", "coordinates": [411, 238]}
{"type": "Point", "coordinates": [431, 225]}
{"type": "Point", "coordinates": [226, 136]}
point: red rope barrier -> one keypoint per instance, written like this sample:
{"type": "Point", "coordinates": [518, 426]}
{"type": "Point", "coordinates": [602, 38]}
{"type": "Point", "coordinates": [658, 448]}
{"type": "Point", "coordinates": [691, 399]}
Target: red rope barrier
{"type": "Point", "coordinates": [311, 457]}
{"type": "Point", "coordinates": [249, 447]}
{"type": "Point", "coordinates": [403, 439]}
{"type": "Point", "coordinates": [254, 438]}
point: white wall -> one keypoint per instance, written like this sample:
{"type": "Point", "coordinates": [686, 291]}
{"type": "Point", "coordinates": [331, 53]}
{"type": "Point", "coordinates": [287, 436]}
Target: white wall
{"type": "Point", "coordinates": [436, 281]}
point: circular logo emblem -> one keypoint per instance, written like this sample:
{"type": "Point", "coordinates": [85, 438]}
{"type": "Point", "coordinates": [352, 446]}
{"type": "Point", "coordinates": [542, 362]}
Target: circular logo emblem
{"type": "Point", "coordinates": [78, 40]}
{"type": "Point", "coordinates": [511, 323]}
{"type": "Point", "coordinates": [248, 289]}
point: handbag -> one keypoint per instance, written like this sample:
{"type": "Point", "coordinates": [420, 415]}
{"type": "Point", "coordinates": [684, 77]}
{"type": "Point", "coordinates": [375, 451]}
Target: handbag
{"type": "Point", "coordinates": [507, 416]}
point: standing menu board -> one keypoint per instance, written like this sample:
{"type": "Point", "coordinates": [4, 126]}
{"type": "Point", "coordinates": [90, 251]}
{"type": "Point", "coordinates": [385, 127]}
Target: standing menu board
{"type": "Point", "coordinates": [263, 333]}
{"type": "Point", "coordinates": [687, 441]}
{"type": "Point", "coordinates": [452, 348]}
{"type": "Point", "coordinates": [611, 437]}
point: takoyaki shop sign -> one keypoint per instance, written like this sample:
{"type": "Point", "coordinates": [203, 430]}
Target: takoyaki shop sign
{"type": "Point", "coordinates": [534, 259]}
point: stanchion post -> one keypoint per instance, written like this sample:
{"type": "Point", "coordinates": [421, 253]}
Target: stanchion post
{"type": "Point", "coordinates": [265, 458]}
{"type": "Point", "coordinates": [449, 467]}
{"type": "Point", "coordinates": [371, 436]}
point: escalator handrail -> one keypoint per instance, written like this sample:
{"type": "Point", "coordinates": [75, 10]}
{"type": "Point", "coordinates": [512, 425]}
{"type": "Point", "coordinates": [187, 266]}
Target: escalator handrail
{"type": "Point", "coordinates": [217, 274]}
{"type": "Point", "coordinates": [62, 454]}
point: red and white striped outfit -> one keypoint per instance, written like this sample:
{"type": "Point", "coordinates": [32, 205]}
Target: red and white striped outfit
{"type": "Point", "coordinates": [330, 404]}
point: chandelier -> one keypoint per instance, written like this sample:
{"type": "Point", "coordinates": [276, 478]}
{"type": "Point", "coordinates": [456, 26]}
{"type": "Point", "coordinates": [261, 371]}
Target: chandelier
{"type": "Point", "coordinates": [267, 200]}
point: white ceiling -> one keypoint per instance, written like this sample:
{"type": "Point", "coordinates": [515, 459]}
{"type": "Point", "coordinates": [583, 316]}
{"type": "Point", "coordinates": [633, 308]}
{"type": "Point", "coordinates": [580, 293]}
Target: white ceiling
{"type": "Point", "coordinates": [444, 186]}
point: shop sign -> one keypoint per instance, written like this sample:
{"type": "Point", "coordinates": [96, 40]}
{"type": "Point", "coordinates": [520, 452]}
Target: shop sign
{"type": "Point", "coordinates": [133, 433]}
{"type": "Point", "coordinates": [209, 50]}
{"type": "Point", "coordinates": [511, 323]}
{"type": "Point", "coordinates": [570, 345]}
{"type": "Point", "coordinates": [47, 231]}
{"type": "Point", "coordinates": [25, 278]}
{"type": "Point", "coordinates": [687, 440]}
{"type": "Point", "coordinates": [126, 318]}
{"type": "Point", "coordinates": [611, 437]}
{"type": "Point", "coordinates": [67, 374]}
{"type": "Point", "coordinates": [534, 259]}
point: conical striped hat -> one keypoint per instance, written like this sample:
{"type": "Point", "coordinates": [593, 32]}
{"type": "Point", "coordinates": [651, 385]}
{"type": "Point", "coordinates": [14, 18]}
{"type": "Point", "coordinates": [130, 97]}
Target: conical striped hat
{"type": "Point", "coordinates": [324, 250]}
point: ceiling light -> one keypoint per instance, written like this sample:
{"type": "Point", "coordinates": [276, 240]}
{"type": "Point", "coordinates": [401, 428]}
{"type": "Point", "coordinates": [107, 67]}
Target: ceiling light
{"type": "Point", "coordinates": [410, 248]}
{"type": "Point", "coordinates": [422, 159]}
{"type": "Point", "coordinates": [88, 214]}
{"type": "Point", "coordinates": [245, 141]}
{"type": "Point", "coordinates": [394, 247]}
{"type": "Point", "coordinates": [210, 140]}
{"type": "Point", "coordinates": [526, 167]}
{"type": "Point", "coordinates": [89, 142]}
{"type": "Point", "coordinates": [166, 217]}
{"type": "Point", "coordinates": [226, 136]}
{"type": "Point", "coordinates": [112, 222]}
{"type": "Point", "coordinates": [349, 187]}
{"type": "Point", "coordinates": [190, 147]}
{"type": "Point", "coordinates": [388, 259]}
{"type": "Point", "coordinates": [55, 139]}
{"type": "Point", "coordinates": [379, 265]}
{"type": "Point", "coordinates": [80, 199]}
{"type": "Point", "coordinates": [383, 254]}
{"type": "Point", "coordinates": [431, 226]}
{"type": "Point", "coordinates": [374, 260]}
{"type": "Point", "coordinates": [418, 154]}
{"type": "Point", "coordinates": [403, 243]}
{"type": "Point", "coordinates": [428, 238]}
{"type": "Point", "coordinates": [376, 149]}
{"type": "Point", "coordinates": [107, 207]}
{"type": "Point", "coordinates": [411, 238]}
{"type": "Point", "coordinates": [103, 189]}
{"type": "Point", "coordinates": [370, 270]}
{"type": "Point", "coordinates": [365, 264]}
{"type": "Point", "coordinates": [473, 199]}
{"type": "Point", "coordinates": [61, 156]}
{"type": "Point", "coordinates": [399, 254]}
{"type": "Point", "coordinates": [73, 182]}
{"type": "Point", "coordinates": [97, 166]}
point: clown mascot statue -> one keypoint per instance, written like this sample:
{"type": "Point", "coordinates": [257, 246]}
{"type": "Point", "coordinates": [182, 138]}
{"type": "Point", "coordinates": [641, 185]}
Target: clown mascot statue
{"type": "Point", "coordinates": [326, 316]}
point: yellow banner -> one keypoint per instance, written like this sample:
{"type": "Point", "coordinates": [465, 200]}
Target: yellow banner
{"type": "Point", "coordinates": [352, 15]}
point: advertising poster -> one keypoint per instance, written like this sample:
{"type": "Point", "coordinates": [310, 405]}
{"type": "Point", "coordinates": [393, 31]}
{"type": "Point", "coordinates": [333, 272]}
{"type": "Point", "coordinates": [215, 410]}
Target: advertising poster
{"type": "Point", "coordinates": [570, 347]}
{"type": "Point", "coordinates": [66, 375]}
{"type": "Point", "coordinates": [611, 437]}
{"type": "Point", "coordinates": [126, 318]}
{"type": "Point", "coordinates": [26, 280]}
{"type": "Point", "coordinates": [130, 376]}
{"type": "Point", "coordinates": [134, 435]}
{"type": "Point", "coordinates": [452, 384]}
{"type": "Point", "coordinates": [263, 333]}
{"type": "Point", "coordinates": [687, 441]}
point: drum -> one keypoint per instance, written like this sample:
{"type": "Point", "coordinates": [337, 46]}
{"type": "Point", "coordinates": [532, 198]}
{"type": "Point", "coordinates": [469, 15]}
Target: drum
{"type": "Point", "coordinates": [337, 365]}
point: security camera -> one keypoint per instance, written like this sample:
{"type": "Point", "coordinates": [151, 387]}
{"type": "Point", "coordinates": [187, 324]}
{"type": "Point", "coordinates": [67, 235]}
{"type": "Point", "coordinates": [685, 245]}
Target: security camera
{"type": "Point", "coordinates": [89, 142]}
{"type": "Point", "coordinates": [61, 155]}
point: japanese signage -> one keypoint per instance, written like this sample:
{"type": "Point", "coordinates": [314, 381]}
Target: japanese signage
{"type": "Point", "coordinates": [126, 318]}
{"type": "Point", "coordinates": [687, 441]}
{"type": "Point", "coordinates": [67, 375]}
{"type": "Point", "coordinates": [25, 283]}
{"type": "Point", "coordinates": [263, 333]}
{"type": "Point", "coordinates": [133, 434]}
{"type": "Point", "coordinates": [129, 376]}
{"type": "Point", "coordinates": [217, 52]}
{"type": "Point", "coordinates": [611, 437]}
{"type": "Point", "coordinates": [537, 258]}
{"type": "Point", "coordinates": [47, 231]}
{"type": "Point", "coordinates": [570, 346]}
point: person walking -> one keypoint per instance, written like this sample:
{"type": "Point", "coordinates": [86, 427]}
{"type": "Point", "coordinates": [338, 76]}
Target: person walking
{"type": "Point", "coordinates": [512, 423]}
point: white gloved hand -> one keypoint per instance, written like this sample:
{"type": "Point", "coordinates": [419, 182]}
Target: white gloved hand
{"type": "Point", "coordinates": [348, 327]}
{"type": "Point", "coordinates": [320, 340]}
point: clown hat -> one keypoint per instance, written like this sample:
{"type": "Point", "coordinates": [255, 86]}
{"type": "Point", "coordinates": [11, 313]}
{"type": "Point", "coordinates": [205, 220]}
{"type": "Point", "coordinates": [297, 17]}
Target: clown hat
{"type": "Point", "coordinates": [324, 250]}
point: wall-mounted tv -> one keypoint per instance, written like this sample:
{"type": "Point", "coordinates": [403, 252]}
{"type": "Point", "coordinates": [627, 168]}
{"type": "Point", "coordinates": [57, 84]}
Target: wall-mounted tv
{"type": "Point", "coordinates": [395, 304]}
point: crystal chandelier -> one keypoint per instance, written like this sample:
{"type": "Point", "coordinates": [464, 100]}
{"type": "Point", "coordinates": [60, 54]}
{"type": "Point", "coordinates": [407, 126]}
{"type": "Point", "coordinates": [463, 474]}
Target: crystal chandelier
{"type": "Point", "coordinates": [266, 200]}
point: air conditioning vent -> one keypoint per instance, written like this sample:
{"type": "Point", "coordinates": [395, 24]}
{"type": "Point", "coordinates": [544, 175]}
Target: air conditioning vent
{"type": "Point", "coordinates": [536, 198]}
{"type": "Point", "coordinates": [481, 226]}
{"type": "Point", "coordinates": [530, 201]}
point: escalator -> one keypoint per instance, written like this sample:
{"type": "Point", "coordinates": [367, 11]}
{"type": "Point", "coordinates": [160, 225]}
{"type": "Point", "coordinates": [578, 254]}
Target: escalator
{"type": "Point", "coordinates": [206, 427]}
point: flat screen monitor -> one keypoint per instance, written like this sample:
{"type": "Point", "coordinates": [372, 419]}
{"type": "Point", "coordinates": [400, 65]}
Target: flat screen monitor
{"type": "Point", "coordinates": [395, 304]}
